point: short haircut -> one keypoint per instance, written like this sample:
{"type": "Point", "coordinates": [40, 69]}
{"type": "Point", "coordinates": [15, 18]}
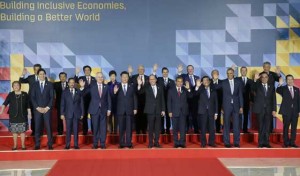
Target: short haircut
{"type": "Point", "coordinates": [179, 77]}
{"type": "Point", "coordinates": [244, 67]}
{"type": "Point", "coordinates": [124, 73]}
{"type": "Point", "coordinates": [230, 69]}
{"type": "Point", "coordinates": [204, 77]}
{"type": "Point", "coordinates": [62, 73]}
{"type": "Point", "coordinates": [87, 66]}
{"type": "Point", "coordinates": [215, 70]}
{"type": "Point", "coordinates": [289, 75]}
{"type": "Point", "coordinates": [267, 63]}
{"type": "Point", "coordinates": [190, 66]}
{"type": "Point", "coordinates": [112, 72]}
{"type": "Point", "coordinates": [71, 79]}
{"type": "Point", "coordinates": [152, 75]}
{"type": "Point", "coordinates": [15, 82]}
{"type": "Point", "coordinates": [41, 70]}
{"type": "Point", "coordinates": [164, 68]}
{"type": "Point", "coordinates": [262, 73]}
{"type": "Point", "coordinates": [37, 65]}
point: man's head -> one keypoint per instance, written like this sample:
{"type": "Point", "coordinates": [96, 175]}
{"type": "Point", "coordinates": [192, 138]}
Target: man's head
{"type": "Point", "coordinates": [264, 77]}
{"type": "Point", "coordinates": [190, 69]}
{"type": "Point", "coordinates": [244, 71]}
{"type": "Point", "coordinates": [71, 83]}
{"type": "Point", "coordinates": [289, 80]}
{"type": "Point", "coordinates": [179, 81]}
{"type": "Point", "coordinates": [41, 74]}
{"type": "Point", "coordinates": [36, 68]}
{"type": "Point", "coordinates": [215, 73]}
{"type": "Point", "coordinates": [165, 72]}
{"type": "Point", "coordinates": [230, 73]}
{"type": "Point", "coordinates": [152, 80]}
{"type": "Point", "coordinates": [63, 76]}
{"type": "Point", "coordinates": [141, 70]}
{"type": "Point", "coordinates": [87, 70]}
{"type": "Point", "coordinates": [266, 66]}
{"type": "Point", "coordinates": [99, 77]}
{"type": "Point", "coordinates": [205, 81]}
{"type": "Point", "coordinates": [124, 77]}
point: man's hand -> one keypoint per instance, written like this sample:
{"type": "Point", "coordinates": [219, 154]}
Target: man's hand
{"type": "Point", "coordinates": [46, 110]}
{"type": "Point", "coordinates": [25, 71]}
{"type": "Point", "coordinates": [278, 70]}
{"type": "Point", "coordinates": [81, 117]}
{"type": "Point", "coordinates": [198, 83]}
{"type": "Point", "coordinates": [233, 66]}
{"type": "Point", "coordinates": [108, 113]}
{"type": "Point", "coordinates": [241, 110]}
{"type": "Point", "coordinates": [130, 70]}
{"type": "Point", "coordinates": [179, 68]}
{"type": "Point", "coordinates": [116, 88]}
{"type": "Point", "coordinates": [134, 112]}
{"type": "Point", "coordinates": [62, 117]}
{"type": "Point", "coordinates": [154, 68]}
{"type": "Point", "coordinates": [281, 81]}
{"type": "Point", "coordinates": [187, 85]}
{"type": "Point", "coordinates": [163, 113]}
{"type": "Point", "coordinates": [40, 110]}
{"type": "Point", "coordinates": [256, 76]}
{"type": "Point", "coordinates": [77, 71]}
{"type": "Point", "coordinates": [170, 114]}
{"type": "Point", "coordinates": [81, 83]}
{"type": "Point", "coordinates": [274, 114]}
{"type": "Point", "coordinates": [139, 81]}
{"type": "Point", "coordinates": [216, 116]}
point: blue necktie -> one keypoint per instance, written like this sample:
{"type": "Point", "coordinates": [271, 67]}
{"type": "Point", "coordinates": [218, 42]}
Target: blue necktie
{"type": "Point", "coordinates": [42, 87]}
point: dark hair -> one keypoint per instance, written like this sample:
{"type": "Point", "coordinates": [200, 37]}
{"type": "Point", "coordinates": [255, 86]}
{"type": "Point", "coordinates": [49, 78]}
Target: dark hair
{"type": "Point", "coordinates": [62, 73]}
{"type": "Point", "coordinates": [152, 75]}
{"type": "Point", "coordinates": [228, 69]}
{"type": "Point", "coordinates": [262, 73]}
{"type": "Point", "coordinates": [204, 77]}
{"type": "Point", "coordinates": [190, 66]}
{"type": "Point", "coordinates": [112, 72]}
{"type": "Point", "coordinates": [71, 79]}
{"type": "Point", "coordinates": [267, 63]}
{"type": "Point", "coordinates": [41, 70]}
{"type": "Point", "coordinates": [37, 65]}
{"type": "Point", "coordinates": [15, 82]}
{"type": "Point", "coordinates": [87, 66]}
{"type": "Point", "coordinates": [289, 75]}
{"type": "Point", "coordinates": [244, 67]}
{"type": "Point", "coordinates": [164, 68]}
{"type": "Point", "coordinates": [124, 73]}
{"type": "Point", "coordinates": [179, 77]}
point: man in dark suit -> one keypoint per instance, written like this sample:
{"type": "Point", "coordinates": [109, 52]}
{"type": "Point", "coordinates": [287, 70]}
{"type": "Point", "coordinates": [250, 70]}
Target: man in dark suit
{"type": "Point", "coordinates": [166, 83]}
{"type": "Point", "coordinates": [59, 87]}
{"type": "Point", "coordinates": [192, 121]}
{"type": "Point", "coordinates": [207, 110]}
{"type": "Point", "coordinates": [214, 83]}
{"type": "Point", "coordinates": [154, 108]}
{"type": "Point", "coordinates": [88, 79]}
{"type": "Point", "coordinates": [141, 117]}
{"type": "Point", "coordinates": [264, 106]}
{"type": "Point", "coordinates": [273, 77]}
{"type": "Point", "coordinates": [232, 106]}
{"type": "Point", "coordinates": [290, 109]}
{"type": "Point", "coordinates": [30, 80]}
{"type": "Point", "coordinates": [127, 107]}
{"type": "Point", "coordinates": [71, 110]}
{"type": "Point", "coordinates": [113, 121]}
{"type": "Point", "coordinates": [247, 84]}
{"type": "Point", "coordinates": [178, 110]}
{"type": "Point", "coordinates": [42, 101]}
{"type": "Point", "coordinates": [99, 108]}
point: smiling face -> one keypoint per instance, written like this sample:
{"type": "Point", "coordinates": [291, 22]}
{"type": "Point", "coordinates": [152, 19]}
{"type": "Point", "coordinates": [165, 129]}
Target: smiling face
{"type": "Point", "coordinates": [165, 73]}
{"type": "Point", "coordinates": [71, 83]}
{"type": "Point", "coordinates": [16, 86]}
{"type": "Point", "coordinates": [230, 74]}
{"type": "Point", "coordinates": [141, 70]}
{"type": "Point", "coordinates": [206, 82]}
{"type": "Point", "coordinates": [266, 67]}
{"type": "Point", "coordinates": [152, 80]}
{"type": "Point", "coordinates": [42, 76]}
{"type": "Point", "coordinates": [190, 70]}
{"type": "Point", "coordinates": [264, 78]}
{"type": "Point", "coordinates": [290, 81]}
{"type": "Point", "coordinates": [179, 82]}
{"type": "Point", "coordinates": [99, 77]}
{"type": "Point", "coordinates": [244, 71]}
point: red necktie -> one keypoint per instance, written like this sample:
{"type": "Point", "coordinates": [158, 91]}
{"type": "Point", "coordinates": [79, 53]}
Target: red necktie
{"type": "Point", "coordinates": [178, 91]}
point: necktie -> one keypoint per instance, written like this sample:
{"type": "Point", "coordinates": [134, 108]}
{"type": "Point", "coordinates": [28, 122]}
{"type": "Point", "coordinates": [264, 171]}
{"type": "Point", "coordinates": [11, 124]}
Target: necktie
{"type": "Point", "coordinates": [42, 87]}
{"type": "Point", "coordinates": [265, 89]}
{"type": "Point", "coordinates": [231, 86]}
{"type": "Point", "coordinates": [63, 86]}
{"type": "Point", "coordinates": [72, 92]}
{"type": "Point", "coordinates": [244, 80]}
{"type": "Point", "coordinates": [292, 92]}
{"type": "Point", "coordinates": [207, 92]}
{"type": "Point", "coordinates": [166, 82]}
{"type": "Point", "coordinates": [154, 92]}
{"type": "Point", "coordinates": [141, 77]}
{"type": "Point", "coordinates": [124, 89]}
{"type": "Point", "coordinates": [88, 80]}
{"type": "Point", "coordinates": [178, 91]}
{"type": "Point", "coordinates": [192, 80]}
{"type": "Point", "coordinates": [100, 90]}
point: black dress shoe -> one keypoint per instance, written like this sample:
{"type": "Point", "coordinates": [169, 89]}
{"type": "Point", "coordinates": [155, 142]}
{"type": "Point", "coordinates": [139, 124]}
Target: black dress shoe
{"type": "Point", "coordinates": [103, 147]}
{"type": "Point", "coordinates": [130, 146]}
{"type": "Point", "coordinates": [76, 147]}
{"type": "Point", "coordinates": [150, 146]}
{"type": "Point", "coordinates": [176, 146]}
{"type": "Point", "coordinates": [50, 147]}
{"type": "Point", "coordinates": [95, 147]}
{"type": "Point", "coordinates": [246, 132]}
{"type": "Point", "coordinates": [294, 145]}
{"type": "Point", "coordinates": [37, 148]}
{"type": "Point", "coordinates": [203, 146]}
{"type": "Point", "coordinates": [67, 147]}
{"type": "Point", "coordinates": [237, 145]}
{"type": "Point", "coordinates": [168, 132]}
{"type": "Point", "coordinates": [285, 146]}
{"type": "Point", "coordinates": [121, 146]}
{"type": "Point", "coordinates": [218, 132]}
{"type": "Point", "coordinates": [212, 145]}
{"type": "Point", "coordinates": [183, 146]}
{"type": "Point", "coordinates": [228, 146]}
{"type": "Point", "coordinates": [14, 148]}
{"type": "Point", "coordinates": [260, 146]}
{"type": "Point", "coordinates": [268, 146]}
{"type": "Point", "coordinates": [157, 145]}
{"type": "Point", "coordinates": [23, 148]}
{"type": "Point", "coordinates": [59, 133]}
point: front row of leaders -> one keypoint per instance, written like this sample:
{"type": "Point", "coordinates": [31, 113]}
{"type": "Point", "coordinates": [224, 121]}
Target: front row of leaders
{"type": "Point", "coordinates": [72, 108]}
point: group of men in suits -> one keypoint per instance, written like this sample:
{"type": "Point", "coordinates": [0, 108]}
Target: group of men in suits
{"type": "Point", "coordinates": [152, 103]}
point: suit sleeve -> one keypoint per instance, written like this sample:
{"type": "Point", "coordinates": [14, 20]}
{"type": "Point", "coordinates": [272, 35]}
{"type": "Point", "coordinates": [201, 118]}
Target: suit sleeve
{"type": "Point", "coordinates": [279, 90]}
{"type": "Point", "coordinates": [62, 104]}
{"type": "Point", "coordinates": [274, 101]}
{"type": "Point", "coordinates": [51, 93]}
{"type": "Point", "coordinates": [81, 105]}
{"type": "Point", "coordinates": [7, 100]}
{"type": "Point", "coordinates": [163, 100]}
{"type": "Point", "coordinates": [109, 100]}
{"type": "Point", "coordinates": [76, 79]}
{"type": "Point", "coordinates": [33, 97]}
{"type": "Point", "coordinates": [217, 104]}
{"type": "Point", "coordinates": [23, 80]}
{"type": "Point", "coordinates": [276, 77]}
{"type": "Point", "coordinates": [169, 104]}
{"type": "Point", "coordinates": [241, 97]}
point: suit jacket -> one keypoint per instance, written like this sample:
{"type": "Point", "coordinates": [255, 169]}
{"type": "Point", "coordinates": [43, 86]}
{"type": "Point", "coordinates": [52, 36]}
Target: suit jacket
{"type": "Point", "coordinates": [96, 101]}
{"type": "Point", "coordinates": [205, 103]}
{"type": "Point", "coordinates": [261, 101]}
{"type": "Point", "coordinates": [86, 97]}
{"type": "Point", "coordinates": [30, 80]}
{"type": "Point", "coordinates": [177, 104]}
{"type": "Point", "coordinates": [170, 84]}
{"type": "Point", "coordinates": [153, 105]}
{"type": "Point", "coordinates": [273, 77]}
{"type": "Point", "coordinates": [142, 97]}
{"type": "Point", "coordinates": [71, 107]}
{"type": "Point", "coordinates": [289, 104]}
{"type": "Point", "coordinates": [219, 91]}
{"type": "Point", "coordinates": [247, 94]}
{"type": "Point", "coordinates": [113, 98]}
{"type": "Point", "coordinates": [126, 103]}
{"type": "Point", "coordinates": [42, 99]}
{"type": "Point", "coordinates": [186, 77]}
{"type": "Point", "coordinates": [237, 95]}
{"type": "Point", "coordinates": [58, 92]}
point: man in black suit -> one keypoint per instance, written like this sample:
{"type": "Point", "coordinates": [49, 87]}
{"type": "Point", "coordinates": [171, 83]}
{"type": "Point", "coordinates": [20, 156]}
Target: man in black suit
{"type": "Point", "coordinates": [31, 79]}
{"type": "Point", "coordinates": [232, 106]}
{"type": "Point", "coordinates": [141, 117]}
{"type": "Point", "coordinates": [166, 83]}
{"type": "Point", "coordinates": [71, 110]}
{"type": "Point", "coordinates": [264, 106]}
{"type": "Point", "coordinates": [178, 110]}
{"type": "Point", "coordinates": [154, 108]}
{"type": "Point", "coordinates": [192, 121]}
{"type": "Point", "coordinates": [214, 83]}
{"type": "Point", "coordinates": [290, 109]}
{"type": "Point", "coordinates": [113, 121]}
{"type": "Point", "coordinates": [99, 108]}
{"type": "Point", "coordinates": [42, 101]}
{"type": "Point", "coordinates": [247, 84]}
{"type": "Point", "coordinates": [88, 79]}
{"type": "Point", "coordinates": [207, 110]}
{"type": "Point", "coordinates": [59, 87]}
{"type": "Point", "coordinates": [127, 107]}
{"type": "Point", "coordinates": [273, 77]}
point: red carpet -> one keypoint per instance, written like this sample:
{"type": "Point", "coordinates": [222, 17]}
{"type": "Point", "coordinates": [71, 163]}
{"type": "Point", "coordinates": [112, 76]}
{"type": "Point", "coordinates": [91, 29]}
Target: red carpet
{"type": "Point", "coordinates": [137, 167]}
